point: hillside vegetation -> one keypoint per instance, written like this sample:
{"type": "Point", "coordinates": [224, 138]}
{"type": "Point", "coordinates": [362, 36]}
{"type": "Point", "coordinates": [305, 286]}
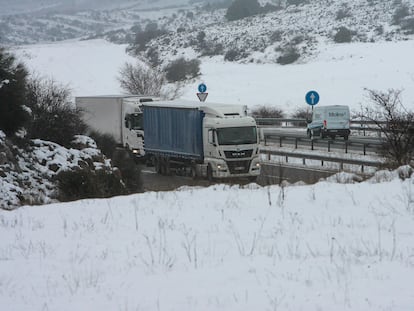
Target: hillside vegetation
{"type": "Point", "coordinates": [281, 31]}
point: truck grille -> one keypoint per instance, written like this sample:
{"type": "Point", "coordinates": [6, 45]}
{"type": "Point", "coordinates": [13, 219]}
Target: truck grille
{"type": "Point", "coordinates": [233, 154]}
{"type": "Point", "coordinates": [238, 167]}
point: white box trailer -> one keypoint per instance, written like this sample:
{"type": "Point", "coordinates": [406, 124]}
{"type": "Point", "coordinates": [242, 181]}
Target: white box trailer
{"type": "Point", "coordinates": [117, 115]}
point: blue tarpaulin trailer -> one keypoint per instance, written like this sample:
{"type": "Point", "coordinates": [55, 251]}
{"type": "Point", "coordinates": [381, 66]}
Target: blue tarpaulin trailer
{"type": "Point", "coordinates": [174, 131]}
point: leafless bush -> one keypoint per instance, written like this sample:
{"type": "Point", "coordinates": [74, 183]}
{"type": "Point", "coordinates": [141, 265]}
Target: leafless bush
{"type": "Point", "coordinates": [267, 112]}
{"type": "Point", "coordinates": [53, 117]}
{"type": "Point", "coordinates": [398, 128]}
{"type": "Point", "coordinates": [302, 113]}
{"type": "Point", "coordinates": [141, 79]}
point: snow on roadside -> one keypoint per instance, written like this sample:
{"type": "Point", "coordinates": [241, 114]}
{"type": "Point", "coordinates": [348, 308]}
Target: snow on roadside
{"type": "Point", "coordinates": [326, 246]}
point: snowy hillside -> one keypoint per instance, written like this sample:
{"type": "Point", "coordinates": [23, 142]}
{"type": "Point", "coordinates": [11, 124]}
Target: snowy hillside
{"type": "Point", "coordinates": [260, 38]}
{"type": "Point", "coordinates": [339, 73]}
{"type": "Point", "coordinates": [326, 247]}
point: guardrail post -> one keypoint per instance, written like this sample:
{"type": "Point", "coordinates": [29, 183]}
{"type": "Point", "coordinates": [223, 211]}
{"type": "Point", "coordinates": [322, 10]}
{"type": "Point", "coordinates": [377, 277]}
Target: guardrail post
{"type": "Point", "coordinates": [296, 143]}
{"type": "Point", "coordinates": [362, 168]}
{"type": "Point", "coordinates": [287, 159]}
{"type": "Point", "coordinates": [311, 144]}
{"type": "Point", "coordinates": [321, 162]}
{"type": "Point", "coordinates": [329, 146]}
{"type": "Point", "coordinates": [346, 147]}
{"type": "Point", "coordinates": [304, 161]}
{"type": "Point", "coordinates": [341, 165]}
{"type": "Point", "coordinates": [365, 149]}
{"type": "Point", "coordinates": [280, 141]}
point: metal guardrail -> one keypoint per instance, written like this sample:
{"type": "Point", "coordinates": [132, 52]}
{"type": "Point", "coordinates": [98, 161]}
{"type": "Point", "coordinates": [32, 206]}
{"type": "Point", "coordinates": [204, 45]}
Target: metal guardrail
{"type": "Point", "coordinates": [304, 157]}
{"type": "Point", "coordinates": [365, 146]}
{"type": "Point", "coordinates": [356, 125]}
{"type": "Point", "coordinates": [292, 121]}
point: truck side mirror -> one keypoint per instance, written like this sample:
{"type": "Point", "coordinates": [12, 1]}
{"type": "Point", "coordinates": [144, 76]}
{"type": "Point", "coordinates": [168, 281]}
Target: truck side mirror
{"type": "Point", "coordinates": [211, 138]}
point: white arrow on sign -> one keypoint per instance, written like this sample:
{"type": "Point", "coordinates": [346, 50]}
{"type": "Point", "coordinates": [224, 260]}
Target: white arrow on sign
{"type": "Point", "coordinates": [202, 96]}
{"type": "Point", "coordinates": [312, 97]}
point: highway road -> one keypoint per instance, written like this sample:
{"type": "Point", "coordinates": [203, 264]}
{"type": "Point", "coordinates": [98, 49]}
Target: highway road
{"type": "Point", "coordinates": [270, 174]}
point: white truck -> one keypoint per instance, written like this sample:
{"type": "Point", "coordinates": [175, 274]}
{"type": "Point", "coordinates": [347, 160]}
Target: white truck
{"type": "Point", "coordinates": [201, 139]}
{"type": "Point", "coordinates": [117, 115]}
{"type": "Point", "coordinates": [329, 121]}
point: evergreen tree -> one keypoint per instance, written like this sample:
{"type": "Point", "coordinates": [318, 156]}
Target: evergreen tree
{"type": "Point", "coordinates": [12, 93]}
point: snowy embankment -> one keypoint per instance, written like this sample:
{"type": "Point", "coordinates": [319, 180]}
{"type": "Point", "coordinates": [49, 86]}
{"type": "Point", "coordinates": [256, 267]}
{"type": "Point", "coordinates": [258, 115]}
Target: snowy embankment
{"type": "Point", "coordinates": [340, 72]}
{"type": "Point", "coordinates": [326, 246]}
{"type": "Point", "coordinates": [27, 176]}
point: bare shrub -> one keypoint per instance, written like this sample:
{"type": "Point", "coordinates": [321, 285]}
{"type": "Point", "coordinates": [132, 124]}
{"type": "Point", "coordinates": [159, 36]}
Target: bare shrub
{"type": "Point", "coordinates": [142, 38]}
{"type": "Point", "coordinates": [343, 35]}
{"type": "Point", "coordinates": [398, 128]}
{"type": "Point", "coordinates": [343, 12]}
{"type": "Point", "coordinates": [53, 117]}
{"type": "Point", "coordinates": [86, 183]}
{"type": "Point", "coordinates": [408, 25]}
{"type": "Point", "coordinates": [242, 8]}
{"type": "Point", "coordinates": [302, 113]}
{"type": "Point", "coordinates": [267, 112]}
{"type": "Point", "coordinates": [130, 171]}
{"type": "Point", "coordinates": [296, 2]}
{"type": "Point", "coordinates": [234, 55]}
{"type": "Point", "coordinates": [105, 142]}
{"type": "Point", "coordinates": [400, 13]}
{"type": "Point", "coordinates": [182, 69]}
{"type": "Point", "coordinates": [141, 79]}
{"type": "Point", "coordinates": [13, 77]}
{"type": "Point", "coordinates": [289, 56]}
{"type": "Point", "coordinates": [276, 36]}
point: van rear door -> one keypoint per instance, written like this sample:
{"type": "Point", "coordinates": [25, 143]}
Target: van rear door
{"type": "Point", "coordinates": [337, 118]}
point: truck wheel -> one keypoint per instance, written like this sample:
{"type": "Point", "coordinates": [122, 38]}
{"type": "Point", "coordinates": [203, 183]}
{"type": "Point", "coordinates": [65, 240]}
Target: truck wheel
{"type": "Point", "coordinates": [311, 134]}
{"type": "Point", "coordinates": [209, 173]}
{"type": "Point", "coordinates": [252, 178]}
{"type": "Point", "coordinates": [193, 172]}
{"type": "Point", "coordinates": [157, 165]}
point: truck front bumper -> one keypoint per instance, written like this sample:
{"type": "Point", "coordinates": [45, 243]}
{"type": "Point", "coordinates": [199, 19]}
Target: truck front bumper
{"type": "Point", "coordinates": [241, 168]}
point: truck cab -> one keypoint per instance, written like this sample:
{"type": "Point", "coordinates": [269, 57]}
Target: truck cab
{"type": "Point", "coordinates": [231, 143]}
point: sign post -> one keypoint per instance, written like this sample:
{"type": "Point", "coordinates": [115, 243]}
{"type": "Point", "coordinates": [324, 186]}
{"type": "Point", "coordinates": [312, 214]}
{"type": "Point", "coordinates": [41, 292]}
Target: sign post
{"type": "Point", "coordinates": [202, 95]}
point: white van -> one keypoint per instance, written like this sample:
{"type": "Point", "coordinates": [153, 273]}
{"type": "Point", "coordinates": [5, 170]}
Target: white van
{"type": "Point", "coordinates": [329, 121]}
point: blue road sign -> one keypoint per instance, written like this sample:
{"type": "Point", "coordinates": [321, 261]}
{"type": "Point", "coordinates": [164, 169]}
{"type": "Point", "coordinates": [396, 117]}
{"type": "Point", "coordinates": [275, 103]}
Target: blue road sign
{"type": "Point", "coordinates": [202, 88]}
{"type": "Point", "coordinates": [312, 98]}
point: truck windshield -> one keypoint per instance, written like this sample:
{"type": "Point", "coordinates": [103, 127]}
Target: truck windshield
{"type": "Point", "coordinates": [237, 135]}
{"type": "Point", "coordinates": [136, 121]}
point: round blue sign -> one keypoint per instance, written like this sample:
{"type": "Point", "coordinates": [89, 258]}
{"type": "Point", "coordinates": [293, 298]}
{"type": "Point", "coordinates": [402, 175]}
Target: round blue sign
{"type": "Point", "coordinates": [202, 88]}
{"type": "Point", "coordinates": [312, 98]}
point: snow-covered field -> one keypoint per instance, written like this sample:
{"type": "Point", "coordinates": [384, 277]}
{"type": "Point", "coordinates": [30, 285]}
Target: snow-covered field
{"type": "Point", "coordinates": [326, 246]}
{"type": "Point", "coordinates": [339, 73]}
